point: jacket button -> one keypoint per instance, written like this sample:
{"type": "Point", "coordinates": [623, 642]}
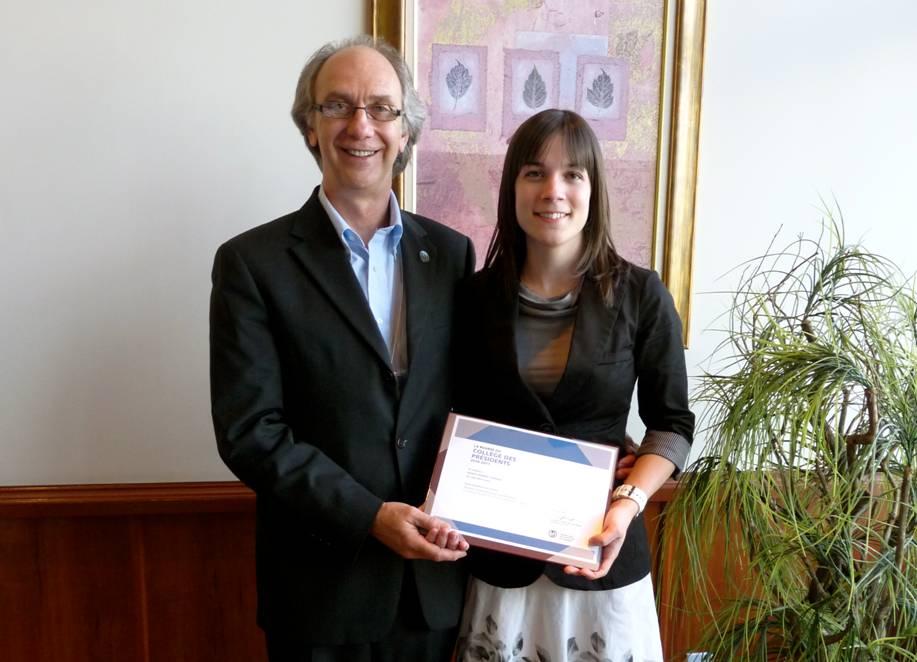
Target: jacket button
{"type": "Point", "coordinates": [401, 443]}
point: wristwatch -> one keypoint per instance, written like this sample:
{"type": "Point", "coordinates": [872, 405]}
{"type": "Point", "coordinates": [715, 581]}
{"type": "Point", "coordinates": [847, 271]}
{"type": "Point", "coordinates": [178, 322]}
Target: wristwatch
{"type": "Point", "coordinates": [631, 492]}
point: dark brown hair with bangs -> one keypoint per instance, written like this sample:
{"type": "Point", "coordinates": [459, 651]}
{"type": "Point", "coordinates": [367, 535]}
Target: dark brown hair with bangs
{"type": "Point", "coordinates": [506, 252]}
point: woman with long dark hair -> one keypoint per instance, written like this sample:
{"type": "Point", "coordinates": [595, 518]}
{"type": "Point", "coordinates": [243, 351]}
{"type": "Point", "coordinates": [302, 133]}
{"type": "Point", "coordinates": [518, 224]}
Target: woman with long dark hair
{"type": "Point", "coordinates": [554, 334]}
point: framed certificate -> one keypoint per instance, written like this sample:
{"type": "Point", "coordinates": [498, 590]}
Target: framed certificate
{"type": "Point", "coordinates": [522, 492]}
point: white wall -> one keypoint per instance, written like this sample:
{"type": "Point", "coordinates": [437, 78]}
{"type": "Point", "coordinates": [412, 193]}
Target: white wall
{"type": "Point", "coordinates": [802, 100]}
{"type": "Point", "coordinates": [135, 136]}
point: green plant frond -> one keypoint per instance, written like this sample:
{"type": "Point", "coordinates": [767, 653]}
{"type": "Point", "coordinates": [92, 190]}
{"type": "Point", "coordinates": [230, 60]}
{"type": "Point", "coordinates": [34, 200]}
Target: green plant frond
{"type": "Point", "coordinates": [808, 482]}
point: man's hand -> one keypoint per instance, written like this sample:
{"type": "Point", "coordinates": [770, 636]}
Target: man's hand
{"type": "Point", "coordinates": [413, 534]}
{"type": "Point", "coordinates": [617, 519]}
{"type": "Point", "coordinates": [442, 535]}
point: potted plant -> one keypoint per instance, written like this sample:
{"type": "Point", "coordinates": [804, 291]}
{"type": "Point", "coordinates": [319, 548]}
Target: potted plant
{"type": "Point", "coordinates": [810, 421]}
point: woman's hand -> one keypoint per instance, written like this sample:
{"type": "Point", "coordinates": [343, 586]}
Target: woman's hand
{"type": "Point", "coordinates": [648, 473]}
{"type": "Point", "coordinates": [618, 518]}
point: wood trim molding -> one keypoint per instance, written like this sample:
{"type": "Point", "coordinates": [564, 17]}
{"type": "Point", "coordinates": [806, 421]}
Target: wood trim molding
{"type": "Point", "coordinates": [107, 500]}
{"type": "Point", "coordinates": [117, 499]}
{"type": "Point", "coordinates": [665, 493]}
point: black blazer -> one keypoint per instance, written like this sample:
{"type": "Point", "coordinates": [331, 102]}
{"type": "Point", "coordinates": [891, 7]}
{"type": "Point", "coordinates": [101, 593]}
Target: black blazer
{"type": "Point", "coordinates": [635, 340]}
{"type": "Point", "coordinates": [308, 413]}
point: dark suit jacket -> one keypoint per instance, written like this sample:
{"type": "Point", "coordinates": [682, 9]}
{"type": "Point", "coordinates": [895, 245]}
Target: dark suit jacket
{"type": "Point", "coordinates": [638, 335]}
{"type": "Point", "coordinates": [308, 413]}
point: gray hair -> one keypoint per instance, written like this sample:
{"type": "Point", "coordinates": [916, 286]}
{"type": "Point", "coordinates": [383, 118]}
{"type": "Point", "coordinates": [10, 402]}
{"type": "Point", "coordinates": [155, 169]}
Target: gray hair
{"type": "Point", "coordinates": [414, 111]}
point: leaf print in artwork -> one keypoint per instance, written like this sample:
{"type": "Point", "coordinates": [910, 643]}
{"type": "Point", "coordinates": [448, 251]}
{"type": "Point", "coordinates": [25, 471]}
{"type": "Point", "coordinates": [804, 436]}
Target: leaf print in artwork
{"type": "Point", "coordinates": [601, 94]}
{"type": "Point", "coordinates": [534, 94]}
{"type": "Point", "coordinates": [458, 80]}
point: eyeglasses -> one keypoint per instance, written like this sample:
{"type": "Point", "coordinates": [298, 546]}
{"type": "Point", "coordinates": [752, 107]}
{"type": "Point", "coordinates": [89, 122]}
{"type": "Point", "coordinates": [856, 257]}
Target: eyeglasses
{"type": "Point", "coordinates": [341, 110]}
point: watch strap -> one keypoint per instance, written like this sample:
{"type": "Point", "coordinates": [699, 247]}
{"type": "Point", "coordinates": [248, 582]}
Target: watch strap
{"type": "Point", "coordinates": [631, 492]}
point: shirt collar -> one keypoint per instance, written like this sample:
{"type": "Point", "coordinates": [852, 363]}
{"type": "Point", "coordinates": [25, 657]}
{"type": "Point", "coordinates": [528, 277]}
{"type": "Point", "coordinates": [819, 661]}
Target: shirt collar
{"type": "Point", "coordinates": [342, 229]}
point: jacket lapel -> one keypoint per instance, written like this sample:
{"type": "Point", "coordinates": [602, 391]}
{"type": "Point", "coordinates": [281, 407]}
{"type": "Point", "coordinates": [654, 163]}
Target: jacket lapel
{"type": "Point", "coordinates": [418, 267]}
{"type": "Point", "coordinates": [594, 322]}
{"type": "Point", "coordinates": [419, 271]}
{"type": "Point", "coordinates": [324, 258]}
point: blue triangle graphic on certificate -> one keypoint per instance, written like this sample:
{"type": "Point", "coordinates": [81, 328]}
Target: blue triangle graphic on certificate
{"type": "Point", "coordinates": [521, 440]}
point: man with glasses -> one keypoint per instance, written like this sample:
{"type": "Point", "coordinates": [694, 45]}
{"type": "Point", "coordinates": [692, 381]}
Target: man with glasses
{"type": "Point", "coordinates": [330, 372]}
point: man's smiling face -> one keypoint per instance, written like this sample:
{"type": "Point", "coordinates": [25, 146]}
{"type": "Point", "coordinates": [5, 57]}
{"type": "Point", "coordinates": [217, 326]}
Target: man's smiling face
{"type": "Point", "coordinates": [357, 153]}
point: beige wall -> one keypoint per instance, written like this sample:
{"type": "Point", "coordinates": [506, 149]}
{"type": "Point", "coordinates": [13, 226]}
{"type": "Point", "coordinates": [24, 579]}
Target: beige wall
{"type": "Point", "coordinates": [135, 136]}
{"type": "Point", "coordinates": [802, 100]}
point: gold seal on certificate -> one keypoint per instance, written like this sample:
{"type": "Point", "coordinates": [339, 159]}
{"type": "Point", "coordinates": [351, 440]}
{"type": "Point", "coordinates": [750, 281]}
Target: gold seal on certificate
{"type": "Point", "coordinates": [522, 492]}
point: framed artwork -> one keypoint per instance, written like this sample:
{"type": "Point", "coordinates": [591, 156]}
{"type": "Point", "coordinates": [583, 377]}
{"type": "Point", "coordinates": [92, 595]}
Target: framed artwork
{"type": "Point", "coordinates": [632, 69]}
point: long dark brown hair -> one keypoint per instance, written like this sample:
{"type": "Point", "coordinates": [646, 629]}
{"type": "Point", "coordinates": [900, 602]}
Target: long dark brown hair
{"type": "Point", "coordinates": [507, 250]}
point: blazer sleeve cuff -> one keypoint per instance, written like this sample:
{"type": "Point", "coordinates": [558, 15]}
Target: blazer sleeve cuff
{"type": "Point", "coordinates": [670, 445]}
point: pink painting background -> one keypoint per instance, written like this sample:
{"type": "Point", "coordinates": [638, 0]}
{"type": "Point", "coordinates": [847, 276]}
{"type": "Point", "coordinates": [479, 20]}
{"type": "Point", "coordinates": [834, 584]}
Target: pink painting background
{"type": "Point", "coordinates": [458, 171]}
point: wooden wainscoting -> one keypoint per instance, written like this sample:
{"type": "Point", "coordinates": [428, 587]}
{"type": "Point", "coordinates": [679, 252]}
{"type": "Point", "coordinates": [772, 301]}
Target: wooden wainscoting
{"type": "Point", "coordinates": [165, 573]}
{"type": "Point", "coordinates": [161, 572]}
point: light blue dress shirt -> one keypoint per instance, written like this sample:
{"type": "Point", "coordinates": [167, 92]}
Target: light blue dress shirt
{"type": "Point", "coordinates": [378, 271]}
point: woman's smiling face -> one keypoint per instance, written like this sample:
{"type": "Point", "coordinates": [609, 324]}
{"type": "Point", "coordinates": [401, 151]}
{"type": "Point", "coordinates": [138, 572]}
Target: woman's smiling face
{"type": "Point", "coordinates": [552, 199]}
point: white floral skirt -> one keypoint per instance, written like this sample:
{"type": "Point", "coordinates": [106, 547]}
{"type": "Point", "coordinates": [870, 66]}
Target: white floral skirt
{"type": "Point", "coordinates": [544, 622]}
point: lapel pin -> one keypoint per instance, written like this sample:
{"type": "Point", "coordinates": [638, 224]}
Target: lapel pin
{"type": "Point", "coordinates": [424, 256]}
